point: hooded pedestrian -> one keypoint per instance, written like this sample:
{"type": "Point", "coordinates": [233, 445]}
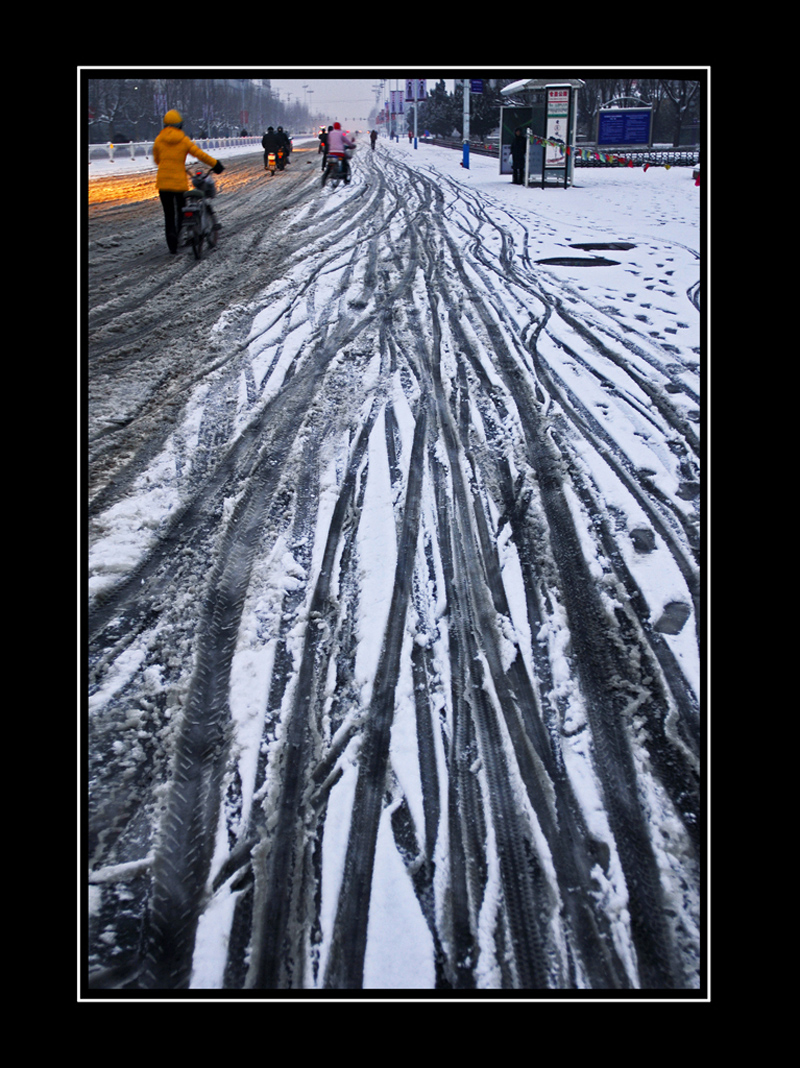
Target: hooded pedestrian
{"type": "Point", "coordinates": [170, 149]}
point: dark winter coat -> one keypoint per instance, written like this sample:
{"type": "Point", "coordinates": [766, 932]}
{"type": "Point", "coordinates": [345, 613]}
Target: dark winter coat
{"type": "Point", "coordinates": [518, 149]}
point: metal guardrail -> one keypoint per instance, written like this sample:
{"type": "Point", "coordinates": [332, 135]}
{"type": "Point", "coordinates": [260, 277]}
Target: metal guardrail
{"type": "Point", "coordinates": [134, 149]}
{"type": "Point", "coordinates": [480, 148]}
{"type": "Point", "coordinates": [672, 157]}
{"type": "Point", "coordinates": [621, 157]}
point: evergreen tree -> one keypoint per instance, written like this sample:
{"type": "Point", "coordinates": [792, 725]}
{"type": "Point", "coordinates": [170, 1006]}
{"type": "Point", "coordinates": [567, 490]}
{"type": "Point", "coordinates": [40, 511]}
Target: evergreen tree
{"type": "Point", "coordinates": [484, 109]}
{"type": "Point", "coordinates": [437, 113]}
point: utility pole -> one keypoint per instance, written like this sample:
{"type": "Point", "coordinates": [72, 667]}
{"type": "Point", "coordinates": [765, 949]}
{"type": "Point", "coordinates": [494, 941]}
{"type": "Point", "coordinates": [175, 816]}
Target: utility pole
{"type": "Point", "coordinates": [416, 87]}
{"type": "Point", "coordinates": [465, 159]}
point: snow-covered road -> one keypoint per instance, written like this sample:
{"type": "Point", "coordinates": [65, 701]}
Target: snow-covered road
{"type": "Point", "coordinates": [394, 571]}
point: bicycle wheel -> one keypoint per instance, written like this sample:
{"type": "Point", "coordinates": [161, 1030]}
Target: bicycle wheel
{"type": "Point", "coordinates": [210, 227]}
{"type": "Point", "coordinates": [202, 226]}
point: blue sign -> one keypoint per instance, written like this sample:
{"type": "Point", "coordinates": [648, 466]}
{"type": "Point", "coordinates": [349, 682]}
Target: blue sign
{"type": "Point", "coordinates": [476, 85]}
{"type": "Point", "coordinates": [624, 126]}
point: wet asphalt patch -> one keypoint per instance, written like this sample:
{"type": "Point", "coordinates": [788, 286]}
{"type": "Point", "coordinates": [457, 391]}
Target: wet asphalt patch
{"type": "Point", "coordinates": [601, 246]}
{"type": "Point", "coordinates": [591, 261]}
{"type": "Point", "coordinates": [579, 261]}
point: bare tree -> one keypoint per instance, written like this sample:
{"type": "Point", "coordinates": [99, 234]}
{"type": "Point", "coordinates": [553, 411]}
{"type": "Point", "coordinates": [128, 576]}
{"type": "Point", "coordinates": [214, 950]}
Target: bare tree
{"type": "Point", "coordinates": [684, 96]}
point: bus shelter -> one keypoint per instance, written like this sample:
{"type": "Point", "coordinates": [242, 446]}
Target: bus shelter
{"type": "Point", "coordinates": [548, 110]}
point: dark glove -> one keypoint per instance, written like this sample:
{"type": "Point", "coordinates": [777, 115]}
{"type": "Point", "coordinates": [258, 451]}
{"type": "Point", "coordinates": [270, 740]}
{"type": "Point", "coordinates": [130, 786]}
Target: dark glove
{"type": "Point", "coordinates": [218, 168]}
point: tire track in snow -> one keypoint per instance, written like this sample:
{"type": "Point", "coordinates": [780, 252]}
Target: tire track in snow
{"type": "Point", "coordinates": [482, 604]}
{"type": "Point", "coordinates": [278, 926]}
{"type": "Point", "coordinates": [348, 945]}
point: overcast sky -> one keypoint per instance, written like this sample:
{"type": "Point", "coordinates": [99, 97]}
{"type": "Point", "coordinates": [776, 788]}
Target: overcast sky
{"type": "Point", "coordinates": [346, 99]}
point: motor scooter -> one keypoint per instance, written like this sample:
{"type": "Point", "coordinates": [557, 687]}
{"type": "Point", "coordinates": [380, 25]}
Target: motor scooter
{"type": "Point", "coordinates": [276, 160]}
{"type": "Point", "coordinates": [338, 168]}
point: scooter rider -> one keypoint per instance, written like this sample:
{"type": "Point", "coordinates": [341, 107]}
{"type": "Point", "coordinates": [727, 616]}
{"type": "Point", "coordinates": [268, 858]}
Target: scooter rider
{"type": "Point", "coordinates": [285, 143]}
{"type": "Point", "coordinates": [269, 142]}
{"type": "Point", "coordinates": [338, 144]}
{"type": "Point", "coordinates": [170, 149]}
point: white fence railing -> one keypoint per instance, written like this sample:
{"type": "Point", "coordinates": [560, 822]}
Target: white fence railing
{"type": "Point", "coordinates": [134, 149]}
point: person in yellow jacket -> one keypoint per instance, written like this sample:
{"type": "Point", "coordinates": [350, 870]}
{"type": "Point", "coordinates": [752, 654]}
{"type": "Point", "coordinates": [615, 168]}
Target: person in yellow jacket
{"type": "Point", "coordinates": [170, 150]}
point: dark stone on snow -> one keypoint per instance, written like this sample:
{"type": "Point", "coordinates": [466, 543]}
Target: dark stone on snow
{"type": "Point", "coordinates": [673, 618]}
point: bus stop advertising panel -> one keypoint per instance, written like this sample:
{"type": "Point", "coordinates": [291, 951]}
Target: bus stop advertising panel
{"type": "Point", "coordinates": [551, 120]}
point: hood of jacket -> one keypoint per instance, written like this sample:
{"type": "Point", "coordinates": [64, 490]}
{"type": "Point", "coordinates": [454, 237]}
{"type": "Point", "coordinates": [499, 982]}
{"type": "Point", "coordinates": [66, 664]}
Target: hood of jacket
{"type": "Point", "coordinates": [171, 135]}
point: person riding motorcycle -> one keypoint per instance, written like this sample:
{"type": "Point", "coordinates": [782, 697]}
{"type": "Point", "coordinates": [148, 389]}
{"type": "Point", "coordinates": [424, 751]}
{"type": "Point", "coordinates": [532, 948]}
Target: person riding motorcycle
{"type": "Point", "coordinates": [338, 145]}
{"type": "Point", "coordinates": [269, 142]}
{"type": "Point", "coordinates": [170, 149]}
{"type": "Point", "coordinates": [284, 142]}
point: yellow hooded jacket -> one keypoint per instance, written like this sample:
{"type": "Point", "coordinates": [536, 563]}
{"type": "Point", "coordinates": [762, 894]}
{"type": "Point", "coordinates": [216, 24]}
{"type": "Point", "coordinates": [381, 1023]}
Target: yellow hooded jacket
{"type": "Point", "coordinates": [170, 150]}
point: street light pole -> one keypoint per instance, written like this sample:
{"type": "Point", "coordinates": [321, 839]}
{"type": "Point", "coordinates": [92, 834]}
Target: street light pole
{"type": "Point", "coordinates": [465, 159]}
{"type": "Point", "coordinates": [416, 86]}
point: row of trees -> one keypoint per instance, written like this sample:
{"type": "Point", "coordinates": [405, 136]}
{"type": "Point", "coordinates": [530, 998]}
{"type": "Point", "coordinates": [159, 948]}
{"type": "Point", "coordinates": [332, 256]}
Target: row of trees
{"type": "Point", "coordinates": [132, 109]}
{"type": "Point", "coordinates": [676, 107]}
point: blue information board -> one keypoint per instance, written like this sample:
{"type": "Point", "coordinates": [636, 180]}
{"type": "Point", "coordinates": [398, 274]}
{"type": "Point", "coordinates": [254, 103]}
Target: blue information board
{"type": "Point", "coordinates": [624, 126]}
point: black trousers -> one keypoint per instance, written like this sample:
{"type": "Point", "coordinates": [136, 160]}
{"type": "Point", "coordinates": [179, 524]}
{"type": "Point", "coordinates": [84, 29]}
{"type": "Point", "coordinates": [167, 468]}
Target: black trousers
{"type": "Point", "coordinates": [172, 203]}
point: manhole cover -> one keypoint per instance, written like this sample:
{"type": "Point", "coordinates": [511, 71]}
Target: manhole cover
{"type": "Point", "coordinates": [599, 246]}
{"type": "Point", "coordinates": [579, 261]}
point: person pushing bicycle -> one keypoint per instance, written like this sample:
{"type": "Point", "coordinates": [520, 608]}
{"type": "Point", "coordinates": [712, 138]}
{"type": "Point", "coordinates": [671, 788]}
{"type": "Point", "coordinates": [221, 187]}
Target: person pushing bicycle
{"type": "Point", "coordinates": [170, 150]}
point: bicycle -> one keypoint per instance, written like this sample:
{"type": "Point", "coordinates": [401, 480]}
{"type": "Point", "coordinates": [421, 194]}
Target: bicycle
{"type": "Point", "coordinates": [199, 222]}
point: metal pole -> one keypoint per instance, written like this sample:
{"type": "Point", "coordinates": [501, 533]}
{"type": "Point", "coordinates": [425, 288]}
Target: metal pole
{"type": "Point", "coordinates": [416, 108]}
{"type": "Point", "coordinates": [465, 160]}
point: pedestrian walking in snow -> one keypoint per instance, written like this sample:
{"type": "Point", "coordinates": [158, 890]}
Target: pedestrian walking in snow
{"type": "Point", "coordinates": [324, 139]}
